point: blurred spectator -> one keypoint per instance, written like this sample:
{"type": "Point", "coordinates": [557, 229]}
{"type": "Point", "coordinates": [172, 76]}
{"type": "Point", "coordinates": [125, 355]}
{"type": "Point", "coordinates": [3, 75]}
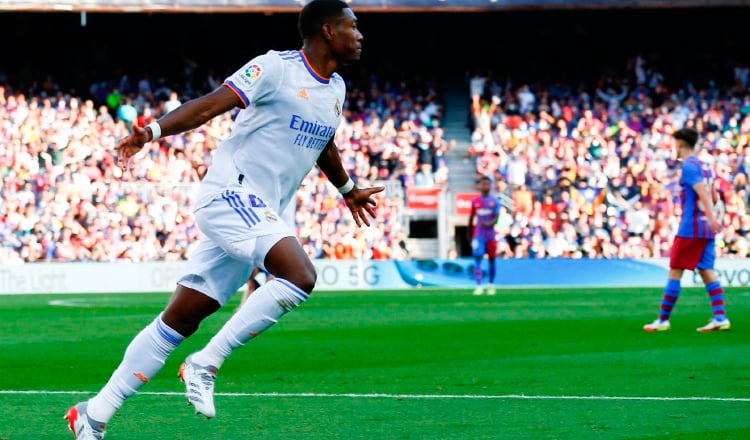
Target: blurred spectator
{"type": "Point", "coordinates": [65, 200]}
{"type": "Point", "coordinates": [582, 165]}
{"type": "Point", "coordinates": [172, 103]}
{"type": "Point", "coordinates": [591, 172]}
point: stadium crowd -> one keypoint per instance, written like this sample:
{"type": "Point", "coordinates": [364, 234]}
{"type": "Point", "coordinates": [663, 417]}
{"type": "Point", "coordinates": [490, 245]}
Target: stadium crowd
{"type": "Point", "coordinates": [65, 199]}
{"type": "Point", "coordinates": [584, 170]}
{"type": "Point", "coordinates": [589, 171]}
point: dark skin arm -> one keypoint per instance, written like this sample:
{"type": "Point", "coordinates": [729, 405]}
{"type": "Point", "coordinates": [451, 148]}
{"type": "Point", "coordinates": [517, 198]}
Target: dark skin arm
{"type": "Point", "coordinates": [188, 116]}
{"type": "Point", "coordinates": [359, 200]}
{"type": "Point", "coordinates": [470, 228]}
{"type": "Point", "coordinates": [491, 222]}
{"type": "Point", "coordinates": [705, 199]}
{"type": "Point", "coordinates": [197, 112]}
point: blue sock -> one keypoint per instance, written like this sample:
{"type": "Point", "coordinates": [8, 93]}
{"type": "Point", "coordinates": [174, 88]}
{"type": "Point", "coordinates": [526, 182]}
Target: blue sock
{"type": "Point", "coordinates": [669, 299]}
{"type": "Point", "coordinates": [716, 295]}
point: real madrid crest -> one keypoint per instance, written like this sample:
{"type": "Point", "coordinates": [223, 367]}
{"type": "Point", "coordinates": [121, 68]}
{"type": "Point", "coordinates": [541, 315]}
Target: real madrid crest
{"type": "Point", "coordinates": [337, 108]}
{"type": "Point", "coordinates": [270, 216]}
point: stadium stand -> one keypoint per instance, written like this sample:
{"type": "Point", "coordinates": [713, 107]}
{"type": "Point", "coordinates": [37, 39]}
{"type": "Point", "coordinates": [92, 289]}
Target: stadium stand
{"type": "Point", "coordinates": [579, 157]}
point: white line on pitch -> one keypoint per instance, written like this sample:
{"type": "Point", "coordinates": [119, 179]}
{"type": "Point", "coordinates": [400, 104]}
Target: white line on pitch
{"type": "Point", "coordinates": [411, 396]}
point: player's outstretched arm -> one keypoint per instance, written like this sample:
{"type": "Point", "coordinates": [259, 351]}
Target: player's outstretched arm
{"type": "Point", "coordinates": [188, 116]}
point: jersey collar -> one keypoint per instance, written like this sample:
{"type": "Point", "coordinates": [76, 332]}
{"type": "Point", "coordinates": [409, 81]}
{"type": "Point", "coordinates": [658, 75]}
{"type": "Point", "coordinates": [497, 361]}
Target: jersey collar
{"type": "Point", "coordinates": [316, 75]}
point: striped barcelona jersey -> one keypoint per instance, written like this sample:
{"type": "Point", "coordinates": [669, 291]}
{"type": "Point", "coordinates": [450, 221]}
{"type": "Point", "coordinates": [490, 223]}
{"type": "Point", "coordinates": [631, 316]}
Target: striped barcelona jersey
{"type": "Point", "coordinates": [485, 209]}
{"type": "Point", "coordinates": [693, 223]}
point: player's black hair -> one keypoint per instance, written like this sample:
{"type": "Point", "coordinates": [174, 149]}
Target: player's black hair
{"type": "Point", "coordinates": [316, 13]}
{"type": "Point", "coordinates": [688, 135]}
{"type": "Point", "coordinates": [483, 178]}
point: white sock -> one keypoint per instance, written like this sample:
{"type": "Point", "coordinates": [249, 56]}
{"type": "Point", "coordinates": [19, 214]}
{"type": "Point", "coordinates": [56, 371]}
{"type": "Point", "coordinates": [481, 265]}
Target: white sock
{"type": "Point", "coordinates": [143, 358]}
{"type": "Point", "coordinates": [261, 310]}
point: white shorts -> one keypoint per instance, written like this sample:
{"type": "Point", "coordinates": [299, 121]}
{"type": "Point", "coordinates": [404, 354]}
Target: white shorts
{"type": "Point", "coordinates": [238, 231]}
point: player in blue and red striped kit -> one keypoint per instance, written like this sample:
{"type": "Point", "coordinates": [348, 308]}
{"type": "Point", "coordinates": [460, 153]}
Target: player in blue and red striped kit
{"type": "Point", "coordinates": [694, 246]}
{"type": "Point", "coordinates": [485, 209]}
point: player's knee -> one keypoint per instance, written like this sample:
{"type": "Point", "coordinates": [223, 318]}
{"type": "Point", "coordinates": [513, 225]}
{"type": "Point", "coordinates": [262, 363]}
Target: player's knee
{"type": "Point", "coordinates": [305, 279]}
{"type": "Point", "coordinates": [183, 325]}
{"type": "Point", "coordinates": [303, 276]}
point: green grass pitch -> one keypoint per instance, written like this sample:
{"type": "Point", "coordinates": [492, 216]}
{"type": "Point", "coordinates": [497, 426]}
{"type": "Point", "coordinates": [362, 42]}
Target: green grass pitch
{"type": "Point", "coordinates": [409, 364]}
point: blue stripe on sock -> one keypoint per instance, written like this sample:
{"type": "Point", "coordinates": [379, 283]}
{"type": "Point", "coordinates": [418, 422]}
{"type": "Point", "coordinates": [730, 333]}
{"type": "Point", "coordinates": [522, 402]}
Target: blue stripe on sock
{"type": "Point", "coordinates": [167, 333]}
{"type": "Point", "coordinates": [668, 303]}
{"type": "Point", "coordinates": [673, 286]}
{"type": "Point", "coordinates": [713, 285]}
{"type": "Point", "coordinates": [297, 291]}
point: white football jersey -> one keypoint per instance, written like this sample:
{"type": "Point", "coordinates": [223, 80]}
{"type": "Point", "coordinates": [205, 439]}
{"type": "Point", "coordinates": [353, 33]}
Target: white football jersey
{"type": "Point", "coordinates": [290, 114]}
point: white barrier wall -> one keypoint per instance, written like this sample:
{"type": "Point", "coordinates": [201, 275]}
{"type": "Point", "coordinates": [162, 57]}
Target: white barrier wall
{"type": "Point", "coordinates": [352, 275]}
{"type": "Point", "coordinates": [161, 277]}
{"type": "Point", "coordinates": [89, 277]}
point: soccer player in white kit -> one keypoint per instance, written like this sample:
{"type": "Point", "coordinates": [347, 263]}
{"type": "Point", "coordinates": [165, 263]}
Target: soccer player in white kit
{"type": "Point", "coordinates": [292, 104]}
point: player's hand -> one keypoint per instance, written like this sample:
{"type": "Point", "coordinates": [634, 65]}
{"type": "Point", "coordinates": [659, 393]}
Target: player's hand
{"type": "Point", "coordinates": [714, 225]}
{"type": "Point", "coordinates": [131, 144]}
{"type": "Point", "coordinates": [361, 203]}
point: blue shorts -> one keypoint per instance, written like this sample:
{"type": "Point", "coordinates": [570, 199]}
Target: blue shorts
{"type": "Point", "coordinates": [482, 246]}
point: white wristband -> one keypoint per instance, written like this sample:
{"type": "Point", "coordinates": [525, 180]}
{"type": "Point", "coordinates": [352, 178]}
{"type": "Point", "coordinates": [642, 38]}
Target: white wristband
{"type": "Point", "coordinates": [347, 187]}
{"type": "Point", "coordinates": [155, 130]}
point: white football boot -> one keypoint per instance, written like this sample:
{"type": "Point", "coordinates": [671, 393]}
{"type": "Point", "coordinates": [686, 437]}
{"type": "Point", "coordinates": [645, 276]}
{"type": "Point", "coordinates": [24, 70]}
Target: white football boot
{"type": "Point", "coordinates": [199, 386]}
{"type": "Point", "coordinates": [715, 326]}
{"type": "Point", "coordinates": [82, 427]}
{"type": "Point", "coordinates": [658, 326]}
